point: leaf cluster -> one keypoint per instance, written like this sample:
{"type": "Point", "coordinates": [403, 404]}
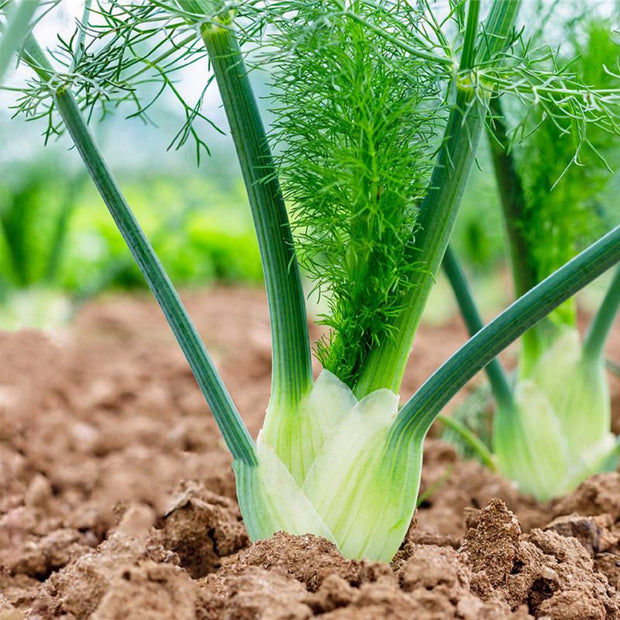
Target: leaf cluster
{"type": "Point", "coordinates": [565, 168]}
{"type": "Point", "coordinates": [355, 121]}
{"type": "Point", "coordinates": [122, 52]}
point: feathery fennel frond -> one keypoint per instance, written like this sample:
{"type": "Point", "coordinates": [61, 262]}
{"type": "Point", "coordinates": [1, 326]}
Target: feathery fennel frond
{"type": "Point", "coordinates": [124, 52]}
{"type": "Point", "coordinates": [575, 86]}
{"type": "Point", "coordinates": [355, 119]}
{"type": "Point", "coordinates": [563, 162]}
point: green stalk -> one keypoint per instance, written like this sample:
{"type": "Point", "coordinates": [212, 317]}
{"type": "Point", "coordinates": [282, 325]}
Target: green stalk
{"type": "Point", "coordinates": [464, 297]}
{"type": "Point", "coordinates": [15, 32]}
{"type": "Point", "coordinates": [292, 367]}
{"type": "Point", "coordinates": [228, 419]}
{"type": "Point", "coordinates": [468, 56]}
{"type": "Point", "coordinates": [386, 363]}
{"type": "Point", "coordinates": [78, 48]}
{"type": "Point", "coordinates": [512, 199]}
{"type": "Point", "coordinates": [485, 455]}
{"type": "Point", "coordinates": [420, 411]}
{"type": "Point", "coordinates": [601, 324]}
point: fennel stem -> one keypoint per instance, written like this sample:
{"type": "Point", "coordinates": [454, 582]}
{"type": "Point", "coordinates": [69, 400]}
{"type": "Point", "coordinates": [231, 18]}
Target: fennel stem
{"type": "Point", "coordinates": [601, 324]}
{"type": "Point", "coordinates": [386, 363]}
{"type": "Point", "coordinates": [420, 411]}
{"type": "Point", "coordinates": [513, 202]}
{"type": "Point", "coordinates": [231, 425]}
{"type": "Point", "coordinates": [15, 31]}
{"type": "Point", "coordinates": [292, 367]}
{"type": "Point", "coordinates": [473, 321]}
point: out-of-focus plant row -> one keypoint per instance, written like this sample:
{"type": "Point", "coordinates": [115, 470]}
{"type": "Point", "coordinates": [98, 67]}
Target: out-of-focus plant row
{"type": "Point", "coordinates": [58, 242]}
{"type": "Point", "coordinates": [55, 240]}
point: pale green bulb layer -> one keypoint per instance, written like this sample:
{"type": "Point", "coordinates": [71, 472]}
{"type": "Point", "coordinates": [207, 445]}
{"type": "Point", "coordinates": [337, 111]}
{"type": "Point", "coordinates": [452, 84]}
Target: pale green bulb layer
{"type": "Point", "coordinates": [559, 433]}
{"type": "Point", "coordinates": [335, 474]}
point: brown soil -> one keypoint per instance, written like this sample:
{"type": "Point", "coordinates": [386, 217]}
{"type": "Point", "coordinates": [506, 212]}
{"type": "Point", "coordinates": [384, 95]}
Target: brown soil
{"type": "Point", "coordinates": [117, 498]}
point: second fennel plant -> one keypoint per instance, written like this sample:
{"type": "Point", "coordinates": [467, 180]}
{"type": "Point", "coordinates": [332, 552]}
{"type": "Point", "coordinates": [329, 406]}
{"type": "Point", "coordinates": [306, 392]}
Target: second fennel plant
{"type": "Point", "coordinates": [557, 429]}
{"type": "Point", "coordinates": [336, 457]}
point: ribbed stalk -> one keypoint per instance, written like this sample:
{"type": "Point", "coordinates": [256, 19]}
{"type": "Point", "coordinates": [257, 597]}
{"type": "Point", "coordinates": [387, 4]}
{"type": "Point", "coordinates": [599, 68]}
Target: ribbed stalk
{"type": "Point", "coordinates": [513, 202]}
{"type": "Point", "coordinates": [386, 363]}
{"type": "Point", "coordinates": [292, 369]}
{"type": "Point", "coordinates": [512, 199]}
{"type": "Point", "coordinates": [468, 56]}
{"type": "Point", "coordinates": [594, 343]}
{"type": "Point", "coordinates": [15, 32]}
{"type": "Point", "coordinates": [419, 412]}
{"type": "Point", "coordinates": [473, 321]}
{"type": "Point", "coordinates": [230, 423]}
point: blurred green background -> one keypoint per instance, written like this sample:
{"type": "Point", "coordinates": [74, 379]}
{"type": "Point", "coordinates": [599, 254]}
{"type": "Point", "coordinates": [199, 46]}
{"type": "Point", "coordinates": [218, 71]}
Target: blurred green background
{"type": "Point", "coordinates": [59, 246]}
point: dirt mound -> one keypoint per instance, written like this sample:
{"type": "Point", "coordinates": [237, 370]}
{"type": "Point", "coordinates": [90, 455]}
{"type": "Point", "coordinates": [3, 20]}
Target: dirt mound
{"type": "Point", "coordinates": [497, 572]}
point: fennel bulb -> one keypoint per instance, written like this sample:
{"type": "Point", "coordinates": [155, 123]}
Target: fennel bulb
{"type": "Point", "coordinates": [336, 473]}
{"type": "Point", "coordinates": [558, 433]}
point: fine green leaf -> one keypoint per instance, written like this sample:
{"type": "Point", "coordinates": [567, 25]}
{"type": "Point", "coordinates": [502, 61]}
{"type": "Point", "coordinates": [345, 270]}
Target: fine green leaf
{"type": "Point", "coordinates": [355, 119]}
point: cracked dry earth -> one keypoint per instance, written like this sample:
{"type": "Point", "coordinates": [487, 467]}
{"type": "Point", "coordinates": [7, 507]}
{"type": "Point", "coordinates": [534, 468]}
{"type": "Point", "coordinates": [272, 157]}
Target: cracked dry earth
{"type": "Point", "coordinates": [117, 498]}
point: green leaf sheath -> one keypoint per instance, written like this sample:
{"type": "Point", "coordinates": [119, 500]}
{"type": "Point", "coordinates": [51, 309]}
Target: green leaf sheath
{"type": "Point", "coordinates": [386, 363]}
{"type": "Point", "coordinates": [513, 202]}
{"type": "Point", "coordinates": [462, 291]}
{"type": "Point", "coordinates": [512, 199]}
{"type": "Point", "coordinates": [594, 343]}
{"type": "Point", "coordinates": [234, 431]}
{"type": "Point", "coordinates": [470, 438]}
{"type": "Point", "coordinates": [15, 31]}
{"type": "Point", "coordinates": [419, 412]}
{"type": "Point", "coordinates": [292, 370]}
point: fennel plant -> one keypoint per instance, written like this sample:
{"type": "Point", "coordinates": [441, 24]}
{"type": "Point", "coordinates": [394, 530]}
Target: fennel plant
{"type": "Point", "coordinates": [380, 111]}
{"type": "Point", "coordinates": [554, 429]}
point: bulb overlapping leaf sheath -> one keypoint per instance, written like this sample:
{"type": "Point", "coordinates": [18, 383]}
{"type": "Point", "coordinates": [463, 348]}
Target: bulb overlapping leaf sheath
{"type": "Point", "coordinates": [559, 433]}
{"type": "Point", "coordinates": [335, 473]}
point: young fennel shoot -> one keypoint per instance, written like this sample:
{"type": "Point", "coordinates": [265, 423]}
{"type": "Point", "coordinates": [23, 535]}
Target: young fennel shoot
{"type": "Point", "coordinates": [333, 459]}
{"type": "Point", "coordinates": [558, 429]}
